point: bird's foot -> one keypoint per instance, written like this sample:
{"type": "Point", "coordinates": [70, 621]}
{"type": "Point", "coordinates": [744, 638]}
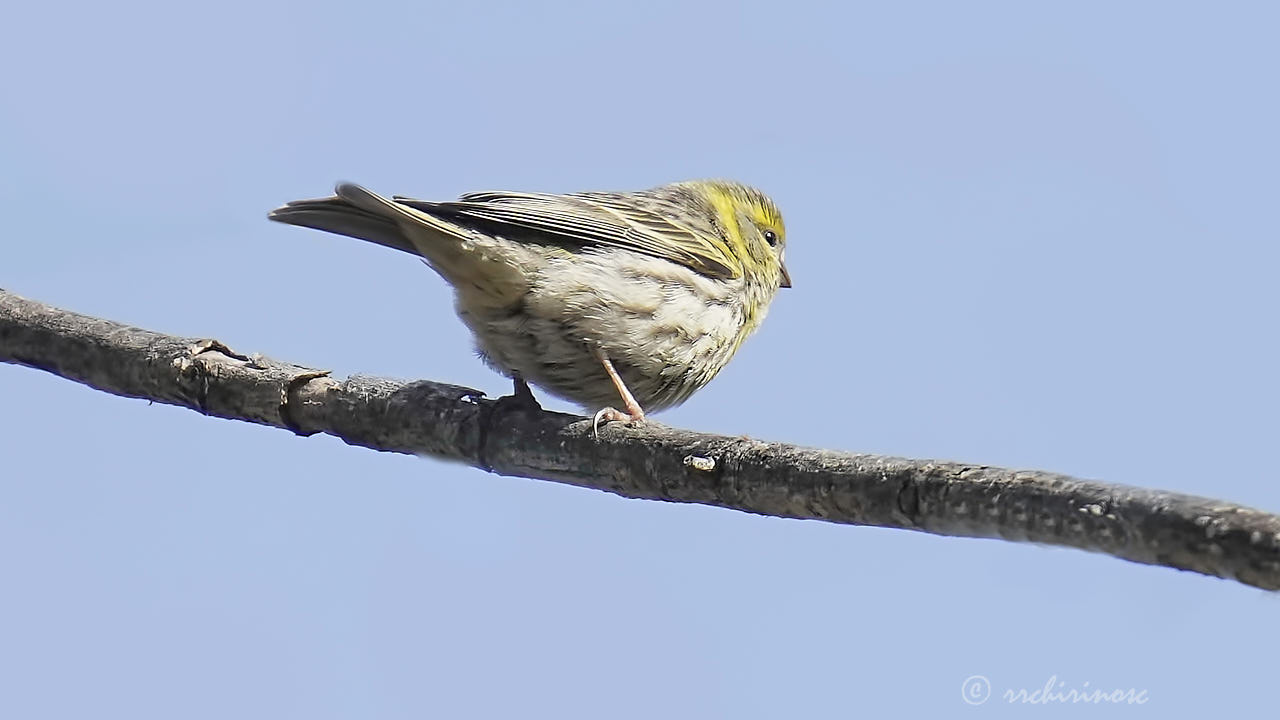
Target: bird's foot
{"type": "Point", "coordinates": [522, 396]}
{"type": "Point", "coordinates": [608, 415]}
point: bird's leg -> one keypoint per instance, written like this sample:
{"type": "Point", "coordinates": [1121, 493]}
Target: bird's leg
{"type": "Point", "coordinates": [521, 389]}
{"type": "Point", "coordinates": [634, 412]}
{"type": "Point", "coordinates": [522, 393]}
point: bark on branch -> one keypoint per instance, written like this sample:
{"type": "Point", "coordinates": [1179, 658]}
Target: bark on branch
{"type": "Point", "coordinates": [510, 437]}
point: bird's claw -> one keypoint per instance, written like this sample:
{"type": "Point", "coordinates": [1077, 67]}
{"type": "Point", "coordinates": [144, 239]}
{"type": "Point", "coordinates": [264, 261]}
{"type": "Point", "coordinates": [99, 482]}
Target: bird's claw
{"type": "Point", "coordinates": [611, 415]}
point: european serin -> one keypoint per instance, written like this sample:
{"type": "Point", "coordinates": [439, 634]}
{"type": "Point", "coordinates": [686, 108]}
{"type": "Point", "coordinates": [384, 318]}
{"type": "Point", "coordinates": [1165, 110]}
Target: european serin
{"type": "Point", "coordinates": [596, 297]}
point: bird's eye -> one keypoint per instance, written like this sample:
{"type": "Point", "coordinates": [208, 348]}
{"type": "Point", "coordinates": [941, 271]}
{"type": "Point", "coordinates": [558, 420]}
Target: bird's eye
{"type": "Point", "coordinates": [771, 237]}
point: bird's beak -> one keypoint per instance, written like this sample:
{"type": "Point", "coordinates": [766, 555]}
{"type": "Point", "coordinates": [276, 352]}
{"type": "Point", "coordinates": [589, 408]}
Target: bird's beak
{"type": "Point", "coordinates": [786, 278]}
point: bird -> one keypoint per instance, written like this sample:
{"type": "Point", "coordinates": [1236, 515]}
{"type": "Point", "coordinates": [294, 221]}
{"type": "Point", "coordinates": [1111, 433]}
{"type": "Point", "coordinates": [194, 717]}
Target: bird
{"type": "Point", "coordinates": [600, 298]}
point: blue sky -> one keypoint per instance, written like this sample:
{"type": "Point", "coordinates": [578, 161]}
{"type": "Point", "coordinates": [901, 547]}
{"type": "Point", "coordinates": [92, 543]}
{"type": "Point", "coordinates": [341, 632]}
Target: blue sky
{"type": "Point", "coordinates": [1019, 235]}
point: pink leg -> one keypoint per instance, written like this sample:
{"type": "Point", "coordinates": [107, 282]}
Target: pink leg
{"type": "Point", "coordinates": [634, 412]}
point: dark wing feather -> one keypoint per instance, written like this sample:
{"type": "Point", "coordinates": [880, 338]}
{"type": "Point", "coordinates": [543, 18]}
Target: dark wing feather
{"type": "Point", "coordinates": [592, 219]}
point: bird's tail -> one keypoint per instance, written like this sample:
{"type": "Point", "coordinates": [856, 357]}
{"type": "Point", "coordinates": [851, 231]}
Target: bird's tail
{"type": "Point", "coordinates": [365, 215]}
{"type": "Point", "coordinates": [355, 212]}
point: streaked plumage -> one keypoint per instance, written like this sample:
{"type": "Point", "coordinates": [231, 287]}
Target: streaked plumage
{"type": "Point", "coordinates": [662, 284]}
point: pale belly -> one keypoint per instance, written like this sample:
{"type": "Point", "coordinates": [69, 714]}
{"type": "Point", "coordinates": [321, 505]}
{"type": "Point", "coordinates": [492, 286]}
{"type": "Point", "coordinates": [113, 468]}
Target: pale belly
{"type": "Point", "coordinates": [663, 356]}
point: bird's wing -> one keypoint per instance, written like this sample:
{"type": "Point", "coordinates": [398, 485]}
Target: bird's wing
{"type": "Point", "coordinates": [590, 219]}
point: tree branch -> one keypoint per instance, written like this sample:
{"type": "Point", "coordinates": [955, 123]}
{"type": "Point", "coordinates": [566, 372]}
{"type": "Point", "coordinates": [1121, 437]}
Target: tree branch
{"type": "Point", "coordinates": [509, 437]}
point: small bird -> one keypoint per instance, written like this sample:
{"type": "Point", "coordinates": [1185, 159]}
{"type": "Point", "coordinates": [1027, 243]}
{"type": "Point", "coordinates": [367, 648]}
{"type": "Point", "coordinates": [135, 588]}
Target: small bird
{"type": "Point", "coordinates": [595, 297]}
